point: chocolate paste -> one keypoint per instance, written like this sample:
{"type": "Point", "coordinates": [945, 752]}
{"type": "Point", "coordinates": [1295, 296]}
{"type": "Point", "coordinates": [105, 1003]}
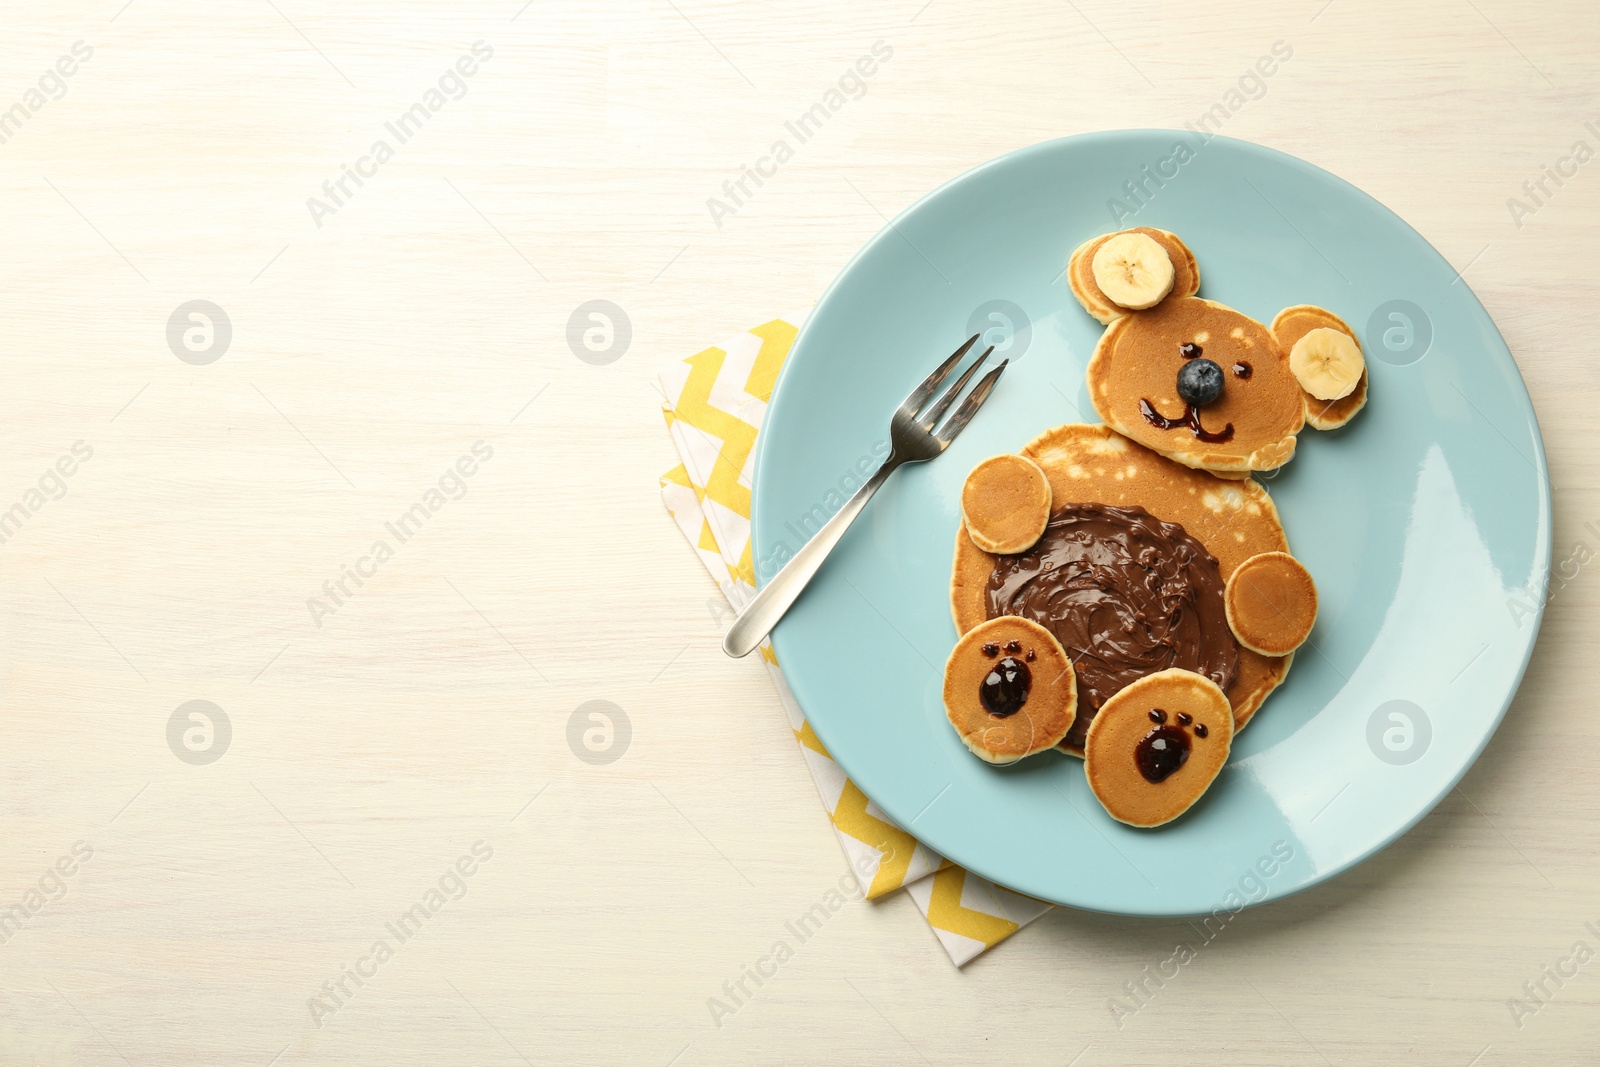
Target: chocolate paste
{"type": "Point", "coordinates": [1126, 595]}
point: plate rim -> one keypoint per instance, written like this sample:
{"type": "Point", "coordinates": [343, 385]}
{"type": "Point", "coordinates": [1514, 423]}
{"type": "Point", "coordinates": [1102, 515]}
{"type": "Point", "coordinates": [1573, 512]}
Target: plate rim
{"type": "Point", "coordinates": [1543, 534]}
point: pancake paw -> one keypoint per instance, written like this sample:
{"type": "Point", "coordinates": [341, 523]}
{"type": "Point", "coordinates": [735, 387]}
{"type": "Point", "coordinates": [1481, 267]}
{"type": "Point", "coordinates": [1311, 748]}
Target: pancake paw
{"type": "Point", "coordinates": [1271, 603]}
{"type": "Point", "coordinates": [1157, 746]}
{"type": "Point", "coordinates": [1009, 690]}
{"type": "Point", "coordinates": [1005, 504]}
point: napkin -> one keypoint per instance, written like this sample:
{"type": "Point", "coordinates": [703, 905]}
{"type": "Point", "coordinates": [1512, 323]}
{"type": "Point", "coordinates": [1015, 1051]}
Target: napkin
{"type": "Point", "coordinates": [715, 401]}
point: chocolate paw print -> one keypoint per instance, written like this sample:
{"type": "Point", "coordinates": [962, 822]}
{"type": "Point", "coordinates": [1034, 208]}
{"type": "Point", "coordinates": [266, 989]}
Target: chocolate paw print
{"type": "Point", "coordinates": [1166, 748]}
{"type": "Point", "coordinates": [1157, 746]}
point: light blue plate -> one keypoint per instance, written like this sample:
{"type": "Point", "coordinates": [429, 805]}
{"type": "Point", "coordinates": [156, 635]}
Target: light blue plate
{"type": "Point", "coordinates": [1426, 521]}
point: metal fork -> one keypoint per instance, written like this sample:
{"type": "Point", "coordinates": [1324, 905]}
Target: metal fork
{"type": "Point", "coordinates": [912, 439]}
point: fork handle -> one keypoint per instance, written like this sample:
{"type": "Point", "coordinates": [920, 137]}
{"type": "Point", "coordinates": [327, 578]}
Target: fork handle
{"type": "Point", "coordinates": [775, 598]}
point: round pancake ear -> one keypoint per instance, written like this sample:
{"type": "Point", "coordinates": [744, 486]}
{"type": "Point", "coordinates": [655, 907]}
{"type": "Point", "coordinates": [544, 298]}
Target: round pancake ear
{"type": "Point", "coordinates": [1271, 603]}
{"type": "Point", "coordinates": [1288, 328]}
{"type": "Point", "coordinates": [1081, 276]}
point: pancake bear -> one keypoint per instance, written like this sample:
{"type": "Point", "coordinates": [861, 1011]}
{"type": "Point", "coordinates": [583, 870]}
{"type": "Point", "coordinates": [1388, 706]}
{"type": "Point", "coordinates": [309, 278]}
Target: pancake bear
{"type": "Point", "coordinates": [1197, 381]}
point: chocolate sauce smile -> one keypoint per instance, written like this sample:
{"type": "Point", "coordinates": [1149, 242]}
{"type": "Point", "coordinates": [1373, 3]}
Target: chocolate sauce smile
{"type": "Point", "coordinates": [1191, 419]}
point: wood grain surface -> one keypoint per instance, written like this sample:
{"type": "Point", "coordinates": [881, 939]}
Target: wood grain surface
{"type": "Point", "coordinates": [424, 710]}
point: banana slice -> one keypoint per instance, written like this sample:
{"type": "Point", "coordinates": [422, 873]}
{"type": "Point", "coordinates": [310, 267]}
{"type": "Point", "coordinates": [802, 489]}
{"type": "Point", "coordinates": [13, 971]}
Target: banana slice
{"type": "Point", "coordinates": [1327, 363]}
{"type": "Point", "coordinates": [1133, 271]}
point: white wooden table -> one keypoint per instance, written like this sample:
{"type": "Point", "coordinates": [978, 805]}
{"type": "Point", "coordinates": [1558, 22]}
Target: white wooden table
{"type": "Point", "coordinates": [422, 711]}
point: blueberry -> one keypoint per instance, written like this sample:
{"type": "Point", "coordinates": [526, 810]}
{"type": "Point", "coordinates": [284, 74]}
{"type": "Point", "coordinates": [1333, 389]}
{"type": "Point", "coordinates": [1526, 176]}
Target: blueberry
{"type": "Point", "coordinates": [1199, 382]}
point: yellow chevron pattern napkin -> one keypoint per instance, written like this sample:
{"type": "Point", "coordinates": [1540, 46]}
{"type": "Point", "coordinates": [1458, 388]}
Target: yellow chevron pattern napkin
{"type": "Point", "coordinates": [715, 401]}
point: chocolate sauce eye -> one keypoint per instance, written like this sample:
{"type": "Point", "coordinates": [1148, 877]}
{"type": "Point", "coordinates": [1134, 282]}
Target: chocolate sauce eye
{"type": "Point", "coordinates": [1241, 370]}
{"type": "Point", "coordinates": [1190, 350]}
{"type": "Point", "coordinates": [1157, 715]}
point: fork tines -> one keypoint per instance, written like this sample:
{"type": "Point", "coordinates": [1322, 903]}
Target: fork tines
{"type": "Point", "coordinates": [969, 407]}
